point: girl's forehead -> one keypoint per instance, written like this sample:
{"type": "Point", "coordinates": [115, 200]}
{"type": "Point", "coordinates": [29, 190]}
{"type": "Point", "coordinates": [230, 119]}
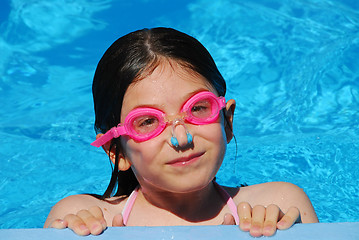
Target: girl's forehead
{"type": "Point", "coordinates": [169, 84]}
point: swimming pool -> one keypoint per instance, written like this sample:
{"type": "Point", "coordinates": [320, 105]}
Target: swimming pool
{"type": "Point", "coordinates": [291, 66]}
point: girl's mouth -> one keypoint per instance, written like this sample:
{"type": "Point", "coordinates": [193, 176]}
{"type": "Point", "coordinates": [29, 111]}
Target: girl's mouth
{"type": "Point", "coordinates": [183, 161]}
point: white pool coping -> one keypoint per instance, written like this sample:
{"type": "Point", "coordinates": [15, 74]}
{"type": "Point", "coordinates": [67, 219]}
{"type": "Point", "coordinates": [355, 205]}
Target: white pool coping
{"type": "Point", "coordinates": [317, 231]}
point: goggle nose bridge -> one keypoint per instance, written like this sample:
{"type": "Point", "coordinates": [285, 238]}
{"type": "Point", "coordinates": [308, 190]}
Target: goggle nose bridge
{"type": "Point", "coordinates": [176, 119]}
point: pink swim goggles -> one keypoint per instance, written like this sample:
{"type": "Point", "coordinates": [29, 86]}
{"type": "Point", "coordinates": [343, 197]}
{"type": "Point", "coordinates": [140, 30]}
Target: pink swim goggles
{"type": "Point", "coordinates": [142, 124]}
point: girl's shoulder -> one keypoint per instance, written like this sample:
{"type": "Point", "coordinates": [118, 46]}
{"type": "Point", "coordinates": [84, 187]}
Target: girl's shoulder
{"type": "Point", "coordinates": [81, 201]}
{"type": "Point", "coordinates": [278, 193]}
{"type": "Point", "coordinates": [283, 194]}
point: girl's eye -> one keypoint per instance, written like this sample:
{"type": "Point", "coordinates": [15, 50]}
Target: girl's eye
{"type": "Point", "coordinates": [202, 109]}
{"type": "Point", "coordinates": [145, 124]}
{"type": "Point", "coordinates": [198, 109]}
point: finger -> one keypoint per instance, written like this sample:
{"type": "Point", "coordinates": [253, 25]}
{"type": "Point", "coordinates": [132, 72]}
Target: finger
{"type": "Point", "coordinates": [228, 219]}
{"type": "Point", "coordinates": [117, 221]}
{"type": "Point", "coordinates": [271, 219]}
{"type": "Point", "coordinates": [244, 213]}
{"type": "Point", "coordinates": [58, 224]}
{"type": "Point", "coordinates": [77, 225]}
{"type": "Point", "coordinates": [98, 214]}
{"type": "Point", "coordinates": [258, 214]}
{"type": "Point", "coordinates": [289, 218]}
{"type": "Point", "coordinates": [93, 224]}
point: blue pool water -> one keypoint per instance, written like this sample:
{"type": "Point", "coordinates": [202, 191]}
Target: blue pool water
{"type": "Point", "coordinates": [292, 67]}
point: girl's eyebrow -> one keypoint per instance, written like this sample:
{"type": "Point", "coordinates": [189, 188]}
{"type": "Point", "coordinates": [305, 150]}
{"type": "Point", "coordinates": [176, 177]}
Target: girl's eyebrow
{"type": "Point", "coordinates": [160, 106]}
{"type": "Point", "coordinates": [196, 91]}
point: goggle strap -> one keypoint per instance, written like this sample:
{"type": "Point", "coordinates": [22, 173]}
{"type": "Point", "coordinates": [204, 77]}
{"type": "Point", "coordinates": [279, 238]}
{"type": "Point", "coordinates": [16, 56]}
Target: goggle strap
{"type": "Point", "coordinates": [222, 102]}
{"type": "Point", "coordinates": [114, 132]}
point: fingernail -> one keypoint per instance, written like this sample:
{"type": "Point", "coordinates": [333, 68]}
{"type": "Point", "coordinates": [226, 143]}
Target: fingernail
{"type": "Point", "coordinates": [256, 228]}
{"type": "Point", "coordinates": [267, 231]}
{"type": "Point", "coordinates": [83, 227]}
{"type": "Point", "coordinates": [104, 223]}
{"type": "Point", "coordinates": [246, 224]}
{"type": "Point", "coordinates": [281, 224]}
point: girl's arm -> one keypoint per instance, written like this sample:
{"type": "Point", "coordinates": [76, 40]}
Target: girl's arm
{"type": "Point", "coordinates": [80, 213]}
{"type": "Point", "coordinates": [264, 208]}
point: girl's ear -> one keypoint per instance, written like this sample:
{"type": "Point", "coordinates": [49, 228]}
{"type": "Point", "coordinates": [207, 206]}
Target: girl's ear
{"type": "Point", "coordinates": [228, 123]}
{"type": "Point", "coordinates": [123, 163]}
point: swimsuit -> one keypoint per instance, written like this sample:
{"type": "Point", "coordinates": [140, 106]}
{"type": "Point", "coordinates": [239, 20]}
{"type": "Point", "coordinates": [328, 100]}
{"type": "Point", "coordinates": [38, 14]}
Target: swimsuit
{"type": "Point", "coordinates": [131, 200]}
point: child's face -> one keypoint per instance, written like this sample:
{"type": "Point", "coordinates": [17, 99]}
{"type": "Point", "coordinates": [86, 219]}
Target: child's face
{"type": "Point", "coordinates": [156, 162]}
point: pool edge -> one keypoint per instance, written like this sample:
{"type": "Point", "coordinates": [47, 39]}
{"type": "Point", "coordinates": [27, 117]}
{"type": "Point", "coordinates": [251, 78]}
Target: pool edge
{"type": "Point", "coordinates": [318, 231]}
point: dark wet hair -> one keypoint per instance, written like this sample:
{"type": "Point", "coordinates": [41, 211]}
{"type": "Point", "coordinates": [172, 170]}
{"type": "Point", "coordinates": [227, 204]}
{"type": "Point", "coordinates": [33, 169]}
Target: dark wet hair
{"type": "Point", "coordinates": [126, 61]}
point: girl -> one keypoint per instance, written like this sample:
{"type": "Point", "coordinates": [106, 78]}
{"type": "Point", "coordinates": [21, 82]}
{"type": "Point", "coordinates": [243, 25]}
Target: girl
{"type": "Point", "coordinates": [162, 119]}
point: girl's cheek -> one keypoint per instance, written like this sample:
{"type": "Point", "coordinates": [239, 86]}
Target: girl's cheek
{"type": "Point", "coordinates": [142, 152]}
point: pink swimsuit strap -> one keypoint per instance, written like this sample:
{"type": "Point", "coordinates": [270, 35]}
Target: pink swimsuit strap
{"type": "Point", "coordinates": [230, 203]}
{"type": "Point", "coordinates": [129, 204]}
{"type": "Point", "coordinates": [226, 197]}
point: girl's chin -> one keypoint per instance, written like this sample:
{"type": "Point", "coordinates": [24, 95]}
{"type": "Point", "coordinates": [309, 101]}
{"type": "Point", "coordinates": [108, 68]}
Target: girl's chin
{"type": "Point", "coordinates": [185, 186]}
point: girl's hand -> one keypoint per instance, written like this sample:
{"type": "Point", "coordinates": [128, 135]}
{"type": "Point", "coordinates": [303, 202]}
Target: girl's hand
{"type": "Point", "coordinates": [261, 220]}
{"type": "Point", "coordinates": [86, 222]}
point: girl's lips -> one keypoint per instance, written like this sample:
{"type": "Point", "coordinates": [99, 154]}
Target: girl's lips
{"type": "Point", "coordinates": [185, 160]}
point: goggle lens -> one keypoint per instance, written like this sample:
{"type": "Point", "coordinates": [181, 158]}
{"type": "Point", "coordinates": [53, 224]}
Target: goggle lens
{"type": "Point", "coordinates": [145, 124]}
{"type": "Point", "coordinates": [203, 111]}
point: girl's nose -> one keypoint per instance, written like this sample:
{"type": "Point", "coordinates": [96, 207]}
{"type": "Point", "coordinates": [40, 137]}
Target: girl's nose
{"type": "Point", "coordinates": [180, 136]}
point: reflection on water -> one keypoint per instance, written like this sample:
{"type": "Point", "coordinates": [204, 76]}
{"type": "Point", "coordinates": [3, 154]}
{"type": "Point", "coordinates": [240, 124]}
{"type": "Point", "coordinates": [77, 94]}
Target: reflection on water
{"type": "Point", "coordinates": [291, 66]}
